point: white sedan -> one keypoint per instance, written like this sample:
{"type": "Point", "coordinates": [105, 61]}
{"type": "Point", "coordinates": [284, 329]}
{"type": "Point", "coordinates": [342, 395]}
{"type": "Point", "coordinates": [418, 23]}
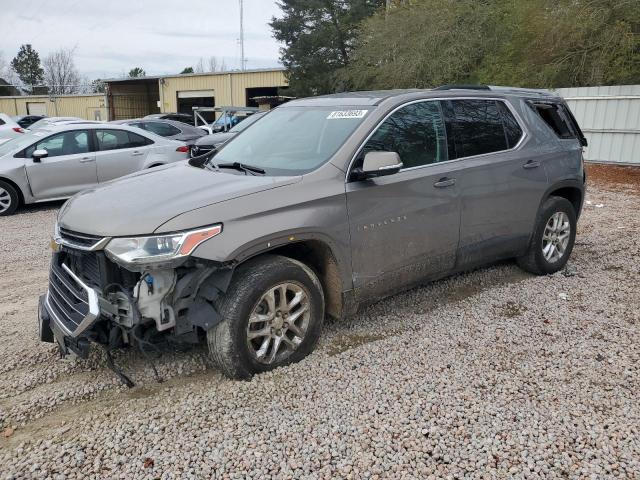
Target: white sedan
{"type": "Point", "coordinates": [9, 128]}
{"type": "Point", "coordinates": [56, 162]}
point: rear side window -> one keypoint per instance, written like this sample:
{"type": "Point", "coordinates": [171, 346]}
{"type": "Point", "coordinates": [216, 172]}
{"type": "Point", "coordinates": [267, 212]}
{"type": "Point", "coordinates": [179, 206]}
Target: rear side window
{"type": "Point", "coordinates": [476, 127]}
{"type": "Point", "coordinates": [118, 139]}
{"type": "Point", "coordinates": [416, 132]}
{"type": "Point", "coordinates": [512, 129]}
{"type": "Point", "coordinates": [162, 129]}
{"type": "Point", "coordinates": [555, 118]}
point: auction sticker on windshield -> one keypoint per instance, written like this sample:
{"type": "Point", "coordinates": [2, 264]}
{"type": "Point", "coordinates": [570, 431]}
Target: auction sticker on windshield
{"type": "Point", "coordinates": [346, 114]}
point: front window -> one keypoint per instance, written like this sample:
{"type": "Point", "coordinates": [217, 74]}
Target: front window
{"type": "Point", "coordinates": [66, 143]}
{"type": "Point", "coordinates": [293, 140]}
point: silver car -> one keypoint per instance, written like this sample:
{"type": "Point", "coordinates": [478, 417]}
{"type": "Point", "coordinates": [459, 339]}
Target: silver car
{"type": "Point", "coordinates": [57, 162]}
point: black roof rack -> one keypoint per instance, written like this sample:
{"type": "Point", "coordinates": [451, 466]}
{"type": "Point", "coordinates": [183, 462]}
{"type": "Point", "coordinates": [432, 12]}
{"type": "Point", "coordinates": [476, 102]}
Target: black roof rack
{"type": "Point", "coordinates": [463, 87]}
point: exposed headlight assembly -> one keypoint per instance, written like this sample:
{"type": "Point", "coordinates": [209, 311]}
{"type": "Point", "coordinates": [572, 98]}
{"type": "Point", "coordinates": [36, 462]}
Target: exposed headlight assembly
{"type": "Point", "coordinates": [140, 251]}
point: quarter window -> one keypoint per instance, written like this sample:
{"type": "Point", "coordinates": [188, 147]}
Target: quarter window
{"type": "Point", "coordinates": [67, 143]}
{"type": "Point", "coordinates": [476, 127]}
{"type": "Point", "coordinates": [416, 132]}
{"type": "Point", "coordinates": [555, 118]}
{"type": "Point", "coordinates": [118, 139]}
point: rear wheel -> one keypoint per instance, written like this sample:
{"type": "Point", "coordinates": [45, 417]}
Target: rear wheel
{"type": "Point", "coordinates": [272, 316]}
{"type": "Point", "coordinates": [9, 199]}
{"type": "Point", "coordinates": [553, 238]}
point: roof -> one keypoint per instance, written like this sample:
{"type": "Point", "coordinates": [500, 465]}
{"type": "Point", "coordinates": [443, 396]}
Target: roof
{"type": "Point", "coordinates": [375, 97]}
{"type": "Point", "coordinates": [158, 77]}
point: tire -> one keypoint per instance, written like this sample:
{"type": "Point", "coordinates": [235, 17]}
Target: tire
{"type": "Point", "coordinates": [248, 296]}
{"type": "Point", "coordinates": [534, 260]}
{"type": "Point", "coordinates": [9, 199]}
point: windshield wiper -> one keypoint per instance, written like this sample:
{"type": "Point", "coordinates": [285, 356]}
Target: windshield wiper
{"type": "Point", "coordinates": [243, 167]}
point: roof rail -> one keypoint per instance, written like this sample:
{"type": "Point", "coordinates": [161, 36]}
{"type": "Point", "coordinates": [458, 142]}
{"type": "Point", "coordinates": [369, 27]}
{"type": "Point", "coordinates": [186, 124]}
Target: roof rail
{"type": "Point", "coordinates": [463, 87]}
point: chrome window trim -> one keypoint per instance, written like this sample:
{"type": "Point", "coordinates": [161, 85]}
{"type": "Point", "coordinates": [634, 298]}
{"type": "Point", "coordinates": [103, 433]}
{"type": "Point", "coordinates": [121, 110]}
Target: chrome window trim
{"type": "Point", "coordinates": [515, 114]}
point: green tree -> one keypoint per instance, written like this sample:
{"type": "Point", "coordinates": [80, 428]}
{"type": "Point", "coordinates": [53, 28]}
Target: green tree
{"type": "Point", "coordinates": [538, 43]}
{"type": "Point", "coordinates": [27, 65]}
{"type": "Point", "coordinates": [565, 43]}
{"type": "Point", "coordinates": [420, 44]}
{"type": "Point", "coordinates": [136, 72]}
{"type": "Point", "coordinates": [318, 38]}
{"type": "Point", "coordinates": [187, 70]}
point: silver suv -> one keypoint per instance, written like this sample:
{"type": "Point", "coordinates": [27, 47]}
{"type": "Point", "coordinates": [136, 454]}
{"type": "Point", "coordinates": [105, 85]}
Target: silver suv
{"type": "Point", "coordinates": [322, 206]}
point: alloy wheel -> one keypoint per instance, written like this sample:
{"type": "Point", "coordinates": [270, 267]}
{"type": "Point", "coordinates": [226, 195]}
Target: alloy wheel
{"type": "Point", "coordinates": [5, 200]}
{"type": "Point", "coordinates": [555, 238]}
{"type": "Point", "coordinates": [278, 323]}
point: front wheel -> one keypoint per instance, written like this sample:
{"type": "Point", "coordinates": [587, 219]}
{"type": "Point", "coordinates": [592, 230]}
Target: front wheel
{"type": "Point", "coordinates": [272, 316]}
{"type": "Point", "coordinates": [553, 238]}
{"type": "Point", "coordinates": [9, 199]}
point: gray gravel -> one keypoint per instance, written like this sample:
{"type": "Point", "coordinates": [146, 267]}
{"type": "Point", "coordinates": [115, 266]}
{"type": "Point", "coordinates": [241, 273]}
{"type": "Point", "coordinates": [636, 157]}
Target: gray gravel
{"type": "Point", "coordinates": [491, 374]}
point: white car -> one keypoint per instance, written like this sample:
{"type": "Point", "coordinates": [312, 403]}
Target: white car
{"type": "Point", "coordinates": [52, 121]}
{"type": "Point", "coordinates": [56, 162]}
{"type": "Point", "coordinates": [9, 128]}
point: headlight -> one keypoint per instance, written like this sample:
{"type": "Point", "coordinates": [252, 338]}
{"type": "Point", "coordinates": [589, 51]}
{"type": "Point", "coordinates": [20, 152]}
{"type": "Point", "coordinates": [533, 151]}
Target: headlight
{"type": "Point", "coordinates": [158, 248]}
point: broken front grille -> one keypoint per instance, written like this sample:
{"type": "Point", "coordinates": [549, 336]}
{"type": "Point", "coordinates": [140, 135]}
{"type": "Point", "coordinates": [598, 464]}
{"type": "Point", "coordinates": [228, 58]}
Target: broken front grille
{"type": "Point", "coordinates": [73, 305]}
{"type": "Point", "coordinates": [79, 240]}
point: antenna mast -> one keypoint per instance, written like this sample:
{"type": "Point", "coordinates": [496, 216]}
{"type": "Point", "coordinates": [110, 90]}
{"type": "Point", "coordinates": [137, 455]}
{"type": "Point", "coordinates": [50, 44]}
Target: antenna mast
{"type": "Point", "coordinates": [242, 59]}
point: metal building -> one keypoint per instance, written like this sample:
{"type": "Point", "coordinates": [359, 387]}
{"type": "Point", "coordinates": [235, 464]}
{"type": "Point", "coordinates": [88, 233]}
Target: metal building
{"type": "Point", "coordinates": [137, 97]}
{"type": "Point", "coordinates": [610, 119]}
{"type": "Point", "coordinates": [90, 107]}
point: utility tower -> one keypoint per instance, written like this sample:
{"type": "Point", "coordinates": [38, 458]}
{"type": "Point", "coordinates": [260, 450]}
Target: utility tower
{"type": "Point", "coordinates": [242, 59]}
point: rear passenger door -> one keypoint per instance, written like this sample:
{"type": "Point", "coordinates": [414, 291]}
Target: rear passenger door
{"type": "Point", "coordinates": [404, 227]}
{"type": "Point", "coordinates": [119, 153]}
{"type": "Point", "coordinates": [501, 184]}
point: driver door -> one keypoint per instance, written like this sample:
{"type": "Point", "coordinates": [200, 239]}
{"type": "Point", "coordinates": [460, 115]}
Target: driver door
{"type": "Point", "coordinates": [405, 226]}
{"type": "Point", "coordinates": [69, 167]}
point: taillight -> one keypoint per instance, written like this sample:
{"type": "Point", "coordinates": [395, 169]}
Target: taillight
{"type": "Point", "coordinates": [183, 149]}
{"type": "Point", "coordinates": [18, 129]}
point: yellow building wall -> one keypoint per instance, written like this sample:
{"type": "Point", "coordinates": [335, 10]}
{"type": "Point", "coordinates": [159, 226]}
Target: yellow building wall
{"type": "Point", "coordinates": [229, 88]}
{"type": "Point", "coordinates": [89, 107]}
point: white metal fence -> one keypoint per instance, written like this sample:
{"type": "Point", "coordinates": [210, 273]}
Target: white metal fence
{"type": "Point", "coordinates": [610, 119]}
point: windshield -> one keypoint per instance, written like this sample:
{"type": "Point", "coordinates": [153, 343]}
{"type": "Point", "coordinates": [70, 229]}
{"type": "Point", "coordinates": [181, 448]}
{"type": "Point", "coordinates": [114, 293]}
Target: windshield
{"type": "Point", "coordinates": [293, 140]}
{"type": "Point", "coordinates": [18, 143]}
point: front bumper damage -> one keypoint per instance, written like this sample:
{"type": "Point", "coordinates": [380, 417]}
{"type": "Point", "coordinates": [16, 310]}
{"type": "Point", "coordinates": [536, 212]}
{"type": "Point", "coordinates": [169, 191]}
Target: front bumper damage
{"type": "Point", "coordinates": [97, 302]}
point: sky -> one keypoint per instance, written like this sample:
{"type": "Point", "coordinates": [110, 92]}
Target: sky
{"type": "Point", "coordinates": [111, 37]}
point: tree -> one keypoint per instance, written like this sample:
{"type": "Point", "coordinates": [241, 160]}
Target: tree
{"type": "Point", "coordinates": [60, 73]}
{"type": "Point", "coordinates": [318, 37]}
{"type": "Point", "coordinates": [27, 65]}
{"type": "Point", "coordinates": [97, 86]}
{"type": "Point", "coordinates": [136, 72]}
{"type": "Point", "coordinates": [538, 43]}
{"type": "Point", "coordinates": [187, 70]}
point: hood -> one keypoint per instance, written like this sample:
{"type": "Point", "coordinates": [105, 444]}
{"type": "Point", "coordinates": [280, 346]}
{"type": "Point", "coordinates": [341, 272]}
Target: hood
{"type": "Point", "coordinates": [215, 138]}
{"type": "Point", "coordinates": [138, 204]}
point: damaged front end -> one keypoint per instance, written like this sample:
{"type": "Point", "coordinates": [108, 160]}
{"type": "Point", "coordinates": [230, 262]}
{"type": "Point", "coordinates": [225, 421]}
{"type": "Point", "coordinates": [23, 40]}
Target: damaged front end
{"type": "Point", "coordinates": [139, 291]}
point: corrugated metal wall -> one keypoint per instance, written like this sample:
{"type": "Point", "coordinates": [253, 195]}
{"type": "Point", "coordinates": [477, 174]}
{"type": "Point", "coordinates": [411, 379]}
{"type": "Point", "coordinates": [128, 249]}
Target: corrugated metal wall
{"type": "Point", "coordinates": [90, 107]}
{"type": "Point", "coordinates": [229, 88]}
{"type": "Point", "coordinates": [610, 119]}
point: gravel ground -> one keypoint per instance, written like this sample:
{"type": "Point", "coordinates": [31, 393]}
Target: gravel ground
{"type": "Point", "coordinates": [495, 373]}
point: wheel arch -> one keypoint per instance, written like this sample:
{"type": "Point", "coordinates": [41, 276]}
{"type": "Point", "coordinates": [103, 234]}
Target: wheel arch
{"type": "Point", "coordinates": [318, 255]}
{"type": "Point", "coordinates": [571, 190]}
{"type": "Point", "coordinates": [18, 189]}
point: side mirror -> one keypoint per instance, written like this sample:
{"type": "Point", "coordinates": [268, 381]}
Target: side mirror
{"type": "Point", "coordinates": [38, 155]}
{"type": "Point", "coordinates": [378, 164]}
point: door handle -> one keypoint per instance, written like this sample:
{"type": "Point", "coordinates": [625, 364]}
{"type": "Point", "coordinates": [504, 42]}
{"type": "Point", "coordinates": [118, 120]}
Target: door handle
{"type": "Point", "coordinates": [87, 159]}
{"type": "Point", "coordinates": [137, 154]}
{"type": "Point", "coordinates": [445, 182]}
{"type": "Point", "coordinates": [531, 164]}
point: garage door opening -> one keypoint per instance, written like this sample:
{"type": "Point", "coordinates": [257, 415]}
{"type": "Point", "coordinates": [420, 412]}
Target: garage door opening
{"type": "Point", "coordinates": [197, 98]}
